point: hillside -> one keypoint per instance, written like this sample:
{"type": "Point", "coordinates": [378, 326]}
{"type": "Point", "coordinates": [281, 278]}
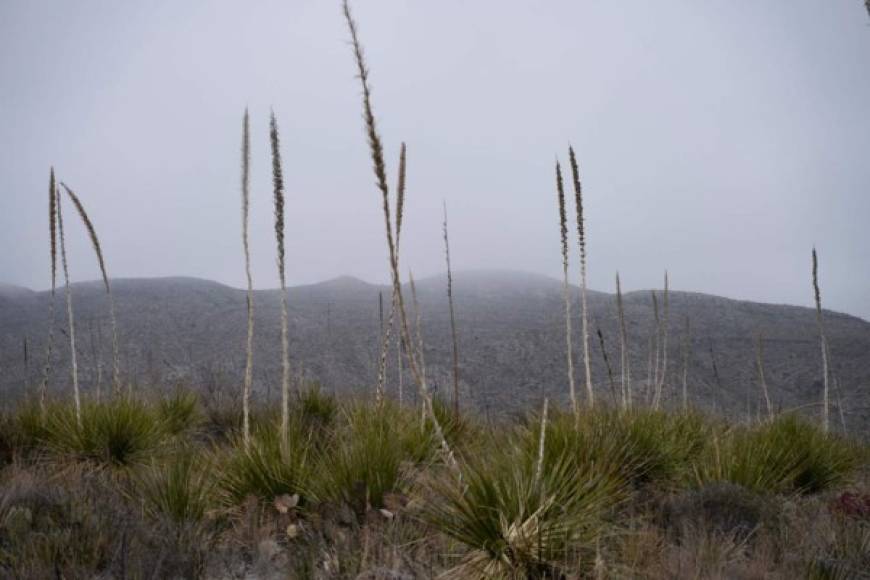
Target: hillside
{"type": "Point", "coordinates": [511, 333]}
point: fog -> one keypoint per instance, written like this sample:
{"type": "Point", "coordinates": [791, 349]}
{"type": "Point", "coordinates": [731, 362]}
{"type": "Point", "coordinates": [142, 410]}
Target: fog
{"type": "Point", "coordinates": [720, 140]}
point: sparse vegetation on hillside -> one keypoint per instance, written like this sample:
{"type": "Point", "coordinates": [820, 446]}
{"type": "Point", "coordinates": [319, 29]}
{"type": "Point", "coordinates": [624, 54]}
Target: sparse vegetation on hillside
{"type": "Point", "coordinates": [144, 484]}
{"type": "Point", "coordinates": [360, 488]}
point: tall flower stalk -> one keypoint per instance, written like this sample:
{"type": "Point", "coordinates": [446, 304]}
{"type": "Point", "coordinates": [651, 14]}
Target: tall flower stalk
{"type": "Point", "coordinates": [453, 336]}
{"type": "Point", "coordinates": [581, 238]}
{"type": "Point", "coordinates": [687, 345]}
{"type": "Point", "coordinates": [74, 364]}
{"type": "Point", "coordinates": [666, 322]}
{"type": "Point", "coordinates": [566, 288]}
{"type": "Point", "coordinates": [376, 150]}
{"type": "Point", "coordinates": [278, 199]}
{"type": "Point", "coordinates": [385, 338]}
{"type": "Point", "coordinates": [759, 364]}
{"type": "Point", "coordinates": [625, 363]}
{"type": "Point", "coordinates": [95, 242]}
{"type": "Point", "coordinates": [249, 358]}
{"type": "Point", "coordinates": [52, 230]}
{"type": "Point", "coordinates": [823, 340]}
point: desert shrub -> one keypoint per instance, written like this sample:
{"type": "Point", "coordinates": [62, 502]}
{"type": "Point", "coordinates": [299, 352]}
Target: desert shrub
{"type": "Point", "coordinates": [176, 496]}
{"type": "Point", "coordinates": [844, 553]}
{"type": "Point", "coordinates": [268, 467]}
{"type": "Point", "coordinates": [118, 433]}
{"type": "Point", "coordinates": [515, 519]}
{"type": "Point", "coordinates": [725, 509]}
{"type": "Point", "coordinates": [71, 527]}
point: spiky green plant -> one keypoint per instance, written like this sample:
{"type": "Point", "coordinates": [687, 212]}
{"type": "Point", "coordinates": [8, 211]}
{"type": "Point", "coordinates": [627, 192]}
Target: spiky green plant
{"type": "Point", "coordinates": [516, 521]}
{"type": "Point", "coordinates": [581, 238]}
{"type": "Point", "coordinates": [249, 345]}
{"type": "Point", "coordinates": [74, 365]}
{"type": "Point", "coordinates": [278, 195]}
{"type": "Point", "coordinates": [566, 288]}
{"type": "Point", "coordinates": [95, 242]}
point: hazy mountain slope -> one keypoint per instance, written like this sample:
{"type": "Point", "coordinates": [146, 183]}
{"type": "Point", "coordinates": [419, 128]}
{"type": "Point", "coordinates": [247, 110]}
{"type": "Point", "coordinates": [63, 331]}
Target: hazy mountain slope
{"type": "Point", "coordinates": [511, 334]}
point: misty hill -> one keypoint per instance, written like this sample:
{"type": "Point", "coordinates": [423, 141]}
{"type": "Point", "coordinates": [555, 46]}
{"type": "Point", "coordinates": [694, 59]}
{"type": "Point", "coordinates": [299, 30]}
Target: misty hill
{"type": "Point", "coordinates": [511, 332]}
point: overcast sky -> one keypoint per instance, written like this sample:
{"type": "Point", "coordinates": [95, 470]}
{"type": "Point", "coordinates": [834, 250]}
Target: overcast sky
{"type": "Point", "coordinates": [719, 139]}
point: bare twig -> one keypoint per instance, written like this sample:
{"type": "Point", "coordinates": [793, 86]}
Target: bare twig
{"type": "Point", "coordinates": [453, 335]}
